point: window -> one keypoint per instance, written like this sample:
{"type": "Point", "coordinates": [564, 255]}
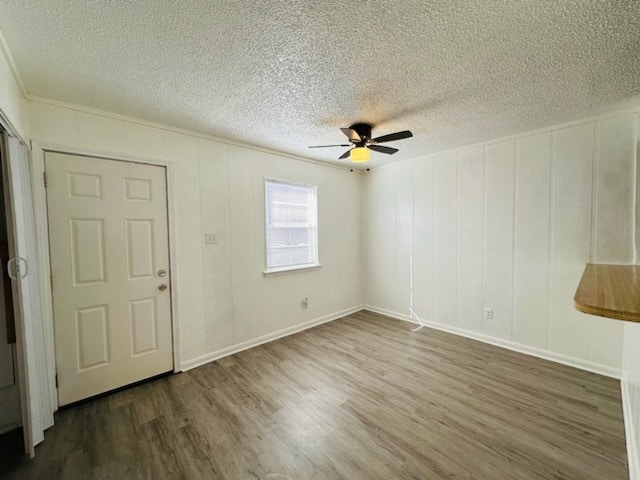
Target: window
{"type": "Point", "coordinates": [292, 226]}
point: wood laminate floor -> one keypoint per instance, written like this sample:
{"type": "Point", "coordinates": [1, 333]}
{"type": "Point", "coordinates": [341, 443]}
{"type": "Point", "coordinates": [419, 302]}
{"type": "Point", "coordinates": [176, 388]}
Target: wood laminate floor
{"type": "Point", "coordinates": [359, 398]}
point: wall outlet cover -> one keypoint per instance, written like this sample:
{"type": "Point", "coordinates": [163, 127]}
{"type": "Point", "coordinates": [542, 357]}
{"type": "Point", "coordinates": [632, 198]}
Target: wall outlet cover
{"type": "Point", "coordinates": [210, 238]}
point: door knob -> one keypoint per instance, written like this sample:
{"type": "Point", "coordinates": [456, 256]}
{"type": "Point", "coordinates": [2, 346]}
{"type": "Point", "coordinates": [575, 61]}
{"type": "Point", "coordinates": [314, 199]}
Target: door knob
{"type": "Point", "coordinates": [14, 270]}
{"type": "Point", "coordinates": [162, 273]}
{"type": "Point", "coordinates": [162, 287]}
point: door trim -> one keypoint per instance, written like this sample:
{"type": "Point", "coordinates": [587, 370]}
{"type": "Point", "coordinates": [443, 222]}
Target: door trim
{"type": "Point", "coordinates": [42, 233]}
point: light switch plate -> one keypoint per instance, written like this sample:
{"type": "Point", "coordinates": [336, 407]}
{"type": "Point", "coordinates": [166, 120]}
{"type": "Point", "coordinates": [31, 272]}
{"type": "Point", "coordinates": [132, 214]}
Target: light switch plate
{"type": "Point", "coordinates": [210, 238]}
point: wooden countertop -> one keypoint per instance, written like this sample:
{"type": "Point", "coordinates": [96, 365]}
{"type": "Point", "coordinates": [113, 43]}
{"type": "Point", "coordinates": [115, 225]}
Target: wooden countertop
{"type": "Point", "coordinates": [611, 291]}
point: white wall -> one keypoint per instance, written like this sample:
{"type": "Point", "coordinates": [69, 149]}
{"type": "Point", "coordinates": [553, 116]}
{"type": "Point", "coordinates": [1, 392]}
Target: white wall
{"type": "Point", "coordinates": [508, 225]}
{"type": "Point", "coordinates": [13, 105]}
{"type": "Point", "coordinates": [224, 300]}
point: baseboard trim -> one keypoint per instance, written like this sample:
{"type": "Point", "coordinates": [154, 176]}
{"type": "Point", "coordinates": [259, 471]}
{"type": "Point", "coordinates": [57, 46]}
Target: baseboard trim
{"type": "Point", "coordinates": [224, 352]}
{"type": "Point", "coordinates": [632, 449]}
{"type": "Point", "coordinates": [509, 345]}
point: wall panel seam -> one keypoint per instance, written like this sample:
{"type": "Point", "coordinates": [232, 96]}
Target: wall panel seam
{"type": "Point", "coordinates": [201, 236]}
{"type": "Point", "coordinates": [228, 241]}
{"type": "Point", "coordinates": [483, 265]}
{"type": "Point", "coordinates": [433, 239]}
{"type": "Point", "coordinates": [457, 209]}
{"type": "Point", "coordinates": [636, 159]}
{"type": "Point", "coordinates": [514, 203]}
{"type": "Point", "coordinates": [413, 234]}
{"type": "Point", "coordinates": [593, 241]}
{"type": "Point", "coordinates": [552, 162]}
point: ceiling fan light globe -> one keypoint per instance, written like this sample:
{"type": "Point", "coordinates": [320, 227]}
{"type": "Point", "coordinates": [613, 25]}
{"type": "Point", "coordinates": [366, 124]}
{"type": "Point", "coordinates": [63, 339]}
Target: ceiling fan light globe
{"type": "Point", "coordinates": [359, 155]}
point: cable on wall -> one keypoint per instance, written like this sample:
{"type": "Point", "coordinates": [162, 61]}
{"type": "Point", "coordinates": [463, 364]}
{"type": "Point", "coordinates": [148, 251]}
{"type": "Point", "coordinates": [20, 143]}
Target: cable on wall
{"type": "Point", "coordinates": [411, 310]}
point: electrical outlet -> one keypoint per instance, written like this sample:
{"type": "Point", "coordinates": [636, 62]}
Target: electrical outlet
{"type": "Point", "coordinates": [210, 238]}
{"type": "Point", "coordinates": [305, 302]}
{"type": "Point", "coordinates": [488, 313]}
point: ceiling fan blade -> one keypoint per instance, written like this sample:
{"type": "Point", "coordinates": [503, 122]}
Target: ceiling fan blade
{"type": "Point", "coordinates": [344, 155]}
{"type": "Point", "coordinates": [393, 136]}
{"type": "Point", "coordinates": [325, 146]}
{"type": "Point", "coordinates": [352, 134]}
{"type": "Point", "coordinates": [382, 149]}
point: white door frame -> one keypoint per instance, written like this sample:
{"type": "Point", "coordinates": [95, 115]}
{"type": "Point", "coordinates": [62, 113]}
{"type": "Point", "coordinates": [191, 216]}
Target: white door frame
{"type": "Point", "coordinates": [39, 149]}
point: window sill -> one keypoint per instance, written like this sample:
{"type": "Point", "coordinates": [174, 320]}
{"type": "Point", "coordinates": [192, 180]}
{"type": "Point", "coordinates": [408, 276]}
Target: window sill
{"type": "Point", "coordinates": [276, 272]}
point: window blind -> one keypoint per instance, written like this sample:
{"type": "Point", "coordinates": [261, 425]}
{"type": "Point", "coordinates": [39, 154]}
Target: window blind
{"type": "Point", "coordinates": [291, 224]}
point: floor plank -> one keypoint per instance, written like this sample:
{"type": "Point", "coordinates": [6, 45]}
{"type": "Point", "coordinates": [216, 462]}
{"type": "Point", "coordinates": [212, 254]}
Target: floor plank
{"type": "Point", "coordinates": [362, 397]}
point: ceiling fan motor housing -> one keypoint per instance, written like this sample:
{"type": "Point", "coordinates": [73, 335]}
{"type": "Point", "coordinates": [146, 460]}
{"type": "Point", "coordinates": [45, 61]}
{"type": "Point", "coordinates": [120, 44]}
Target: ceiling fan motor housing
{"type": "Point", "coordinates": [364, 130]}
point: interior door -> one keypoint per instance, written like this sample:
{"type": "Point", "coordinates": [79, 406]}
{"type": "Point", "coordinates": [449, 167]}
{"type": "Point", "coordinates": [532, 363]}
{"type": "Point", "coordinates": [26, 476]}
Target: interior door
{"type": "Point", "coordinates": [23, 269]}
{"type": "Point", "coordinates": [110, 273]}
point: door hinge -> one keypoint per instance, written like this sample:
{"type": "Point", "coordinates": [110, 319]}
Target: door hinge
{"type": "Point", "coordinates": [56, 380]}
{"type": "Point", "coordinates": [44, 177]}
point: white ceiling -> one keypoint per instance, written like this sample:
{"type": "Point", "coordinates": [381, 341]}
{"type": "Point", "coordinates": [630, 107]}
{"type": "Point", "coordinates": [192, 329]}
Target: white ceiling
{"type": "Point", "coordinates": [287, 74]}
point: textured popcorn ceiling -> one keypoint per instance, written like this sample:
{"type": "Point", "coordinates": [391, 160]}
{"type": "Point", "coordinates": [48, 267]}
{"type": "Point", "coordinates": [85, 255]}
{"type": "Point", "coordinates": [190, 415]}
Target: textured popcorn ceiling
{"type": "Point", "coordinates": [287, 74]}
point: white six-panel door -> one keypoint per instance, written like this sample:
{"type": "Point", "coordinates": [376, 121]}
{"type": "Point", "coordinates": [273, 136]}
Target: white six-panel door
{"type": "Point", "coordinates": [110, 273]}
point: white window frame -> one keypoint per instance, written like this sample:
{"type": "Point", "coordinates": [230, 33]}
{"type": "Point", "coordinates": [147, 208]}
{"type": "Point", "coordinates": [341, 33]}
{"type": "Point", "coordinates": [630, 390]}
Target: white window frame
{"type": "Point", "coordinates": [298, 267]}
